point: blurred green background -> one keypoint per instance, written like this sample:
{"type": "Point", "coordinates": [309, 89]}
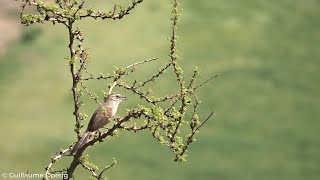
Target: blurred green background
{"type": "Point", "coordinates": [266, 98]}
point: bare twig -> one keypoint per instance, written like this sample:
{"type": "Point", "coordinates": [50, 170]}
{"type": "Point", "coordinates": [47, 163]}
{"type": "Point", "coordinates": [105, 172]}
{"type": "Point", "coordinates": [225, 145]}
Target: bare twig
{"type": "Point", "coordinates": [140, 62]}
{"type": "Point", "coordinates": [205, 121]}
{"type": "Point", "coordinates": [91, 94]}
{"type": "Point", "coordinates": [205, 82]}
{"type": "Point", "coordinates": [111, 87]}
{"type": "Point", "coordinates": [106, 168]}
{"type": "Point", "coordinates": [153, 77]}
{"type": "Point", "coordinates": [124, 71]}
{"type": "Point", "coordinates": [129, 69]}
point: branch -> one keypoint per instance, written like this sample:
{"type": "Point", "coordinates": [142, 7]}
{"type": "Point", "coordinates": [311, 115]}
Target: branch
{"type": "Point", "coordinates": [76, 158]}
{"type": "Point", "coordinates": [173, 51]}
{"type": "Point", "coordinates": [140, 62]}
{"type": "Point", "coordinates": [106, 168]}
{"type": "Point", "coordinates": [119, 72]}
{"type": "Point", "coordinates": [112, 14]}
{"type": "Point", "coordinates": [144, 95]}
{"type": "Point", "coordinates": [92, 170]}
{"type": "Point", "coordinates": [91, 94]}
{"type": "Point", "coordinates": [177, 69]}
{"type": "Point", "coordinates": [134, 127]}
{"type": "Point", "coordinates": [113, 85]}
{"type": "Point", "coordinates": [47, 12]}
{"type": "Point", "coordinates": [153, 77]}
{"type": "Point", "coordinates": [100, 77]}
{"type": "Point", "coordinates": [180, 157]}
{"type": "Point", "coordinates": [205, 82]}
{"type": "Point", "coordinates": [126, 71]}
{"type": "Point", "coordinates": [54, 160]}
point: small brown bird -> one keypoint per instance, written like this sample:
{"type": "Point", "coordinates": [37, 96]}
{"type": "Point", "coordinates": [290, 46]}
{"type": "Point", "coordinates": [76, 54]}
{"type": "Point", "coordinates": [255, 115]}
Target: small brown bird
{"type": "Point", "coordinates": [100, 117]}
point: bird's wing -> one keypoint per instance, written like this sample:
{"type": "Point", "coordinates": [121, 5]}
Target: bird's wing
{"type": "Point", "coordinates": [99, 119]}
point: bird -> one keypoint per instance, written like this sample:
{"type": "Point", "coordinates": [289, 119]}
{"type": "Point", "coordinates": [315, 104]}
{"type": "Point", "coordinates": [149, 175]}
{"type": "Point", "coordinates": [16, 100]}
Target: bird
{"type": "Point", "coordinates": [100, 117]}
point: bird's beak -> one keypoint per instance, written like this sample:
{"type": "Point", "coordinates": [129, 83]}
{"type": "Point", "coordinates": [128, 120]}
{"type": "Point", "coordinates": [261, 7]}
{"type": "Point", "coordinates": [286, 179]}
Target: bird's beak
{"type": "Point", "coordinates": [124, 98]}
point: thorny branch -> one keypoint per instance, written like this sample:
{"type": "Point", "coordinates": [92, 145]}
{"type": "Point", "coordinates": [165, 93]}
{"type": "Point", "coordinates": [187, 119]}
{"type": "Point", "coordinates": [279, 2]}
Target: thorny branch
{"type": "Point", "coordinates": [162, 115]}
{"type": "Point", "coordinates": [118, 12]}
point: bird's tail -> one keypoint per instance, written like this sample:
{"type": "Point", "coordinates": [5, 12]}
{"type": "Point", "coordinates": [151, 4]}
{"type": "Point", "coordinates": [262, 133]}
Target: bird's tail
{"type": "Point", "coordinates": [81, 142]}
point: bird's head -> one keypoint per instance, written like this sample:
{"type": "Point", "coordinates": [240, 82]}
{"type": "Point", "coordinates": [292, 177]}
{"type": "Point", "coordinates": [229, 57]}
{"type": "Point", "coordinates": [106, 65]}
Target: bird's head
{"type": "Point", "coordinates": [115, 97]}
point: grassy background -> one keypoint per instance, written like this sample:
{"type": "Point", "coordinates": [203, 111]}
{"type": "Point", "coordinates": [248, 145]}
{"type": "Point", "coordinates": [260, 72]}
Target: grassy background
{"type": "Point", "coordinates": [266, 99]}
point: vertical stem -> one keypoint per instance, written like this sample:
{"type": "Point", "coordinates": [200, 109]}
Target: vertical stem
{"type": "Point", "coordinates": [76, 96]}
{"type": "Point", "coordinates": [177, 69]}
{"type": "Point", "coordinates": [75, 79]}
